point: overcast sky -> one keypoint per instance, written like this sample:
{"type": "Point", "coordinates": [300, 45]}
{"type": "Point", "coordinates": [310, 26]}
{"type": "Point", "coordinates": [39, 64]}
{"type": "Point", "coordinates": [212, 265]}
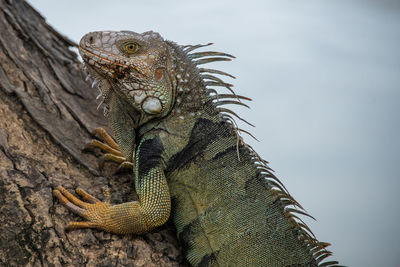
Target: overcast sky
{"type": "Point", "coordinates": [325, 81]}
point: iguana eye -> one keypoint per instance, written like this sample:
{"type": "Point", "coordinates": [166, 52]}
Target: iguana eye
{"type": "Point", "coordinates": [131, 47]}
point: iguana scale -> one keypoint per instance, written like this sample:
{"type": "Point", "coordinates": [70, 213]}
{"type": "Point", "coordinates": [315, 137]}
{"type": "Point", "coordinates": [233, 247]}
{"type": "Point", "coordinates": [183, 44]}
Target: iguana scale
{"type": "Point", "coordinates": [190, 162]}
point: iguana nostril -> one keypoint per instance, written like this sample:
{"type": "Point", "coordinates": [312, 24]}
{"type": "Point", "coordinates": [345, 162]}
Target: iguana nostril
{"type": "Point", "coordinates": [91, 39]}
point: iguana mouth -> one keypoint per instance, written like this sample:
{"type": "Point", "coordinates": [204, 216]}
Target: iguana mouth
{"type": "Point", "coordinates": [104, 72]}
{"type": "Point", "coordinates": [97, 61]}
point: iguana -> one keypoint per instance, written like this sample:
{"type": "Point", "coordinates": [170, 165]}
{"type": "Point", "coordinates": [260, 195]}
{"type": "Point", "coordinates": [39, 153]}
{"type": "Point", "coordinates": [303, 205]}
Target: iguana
{"type": "Point", "coordinates": [190, 162]}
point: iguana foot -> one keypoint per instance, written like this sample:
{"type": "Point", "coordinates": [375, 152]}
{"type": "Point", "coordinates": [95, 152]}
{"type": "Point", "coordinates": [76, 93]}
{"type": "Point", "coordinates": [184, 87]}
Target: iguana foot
{"type": "Point", "coordinates": [94, 210]}
{"type": "Point", "coordinates": [110, 148]}
{"type": "Point", "coordinates": [123, 218]}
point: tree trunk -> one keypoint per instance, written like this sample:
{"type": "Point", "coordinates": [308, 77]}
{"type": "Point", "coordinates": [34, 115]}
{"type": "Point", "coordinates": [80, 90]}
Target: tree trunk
{"type": "Point", "coordinates": [47, 112]}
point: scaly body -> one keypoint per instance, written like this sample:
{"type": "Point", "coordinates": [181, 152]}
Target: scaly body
{"type": "Point", "coordinates": [190, 162]}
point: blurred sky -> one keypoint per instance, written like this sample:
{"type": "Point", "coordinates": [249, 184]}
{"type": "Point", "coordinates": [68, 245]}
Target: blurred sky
{"type": "Point", "coordinates": [325, 80]}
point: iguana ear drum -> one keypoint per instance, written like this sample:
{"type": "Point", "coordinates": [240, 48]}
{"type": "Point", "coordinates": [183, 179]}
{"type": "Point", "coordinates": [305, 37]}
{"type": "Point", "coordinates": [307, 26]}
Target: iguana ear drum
{"type": "Point", "coordinates": [159, 73]}
{"type": "Point", "coordinates": [152, 105]}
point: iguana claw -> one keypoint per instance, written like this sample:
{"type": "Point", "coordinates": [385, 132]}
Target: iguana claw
{"type": "Point", "coordinates": [111, 149]}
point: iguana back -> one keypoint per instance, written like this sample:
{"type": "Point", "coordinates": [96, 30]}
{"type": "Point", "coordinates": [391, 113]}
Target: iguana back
{"type": "Point", "coordinates": [224, 209]}
{"type": "Point", "coordinates": [190, 161]}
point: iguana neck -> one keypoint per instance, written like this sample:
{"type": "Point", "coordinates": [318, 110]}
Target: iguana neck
{"type": "Point", "coordinates": [190, 91]}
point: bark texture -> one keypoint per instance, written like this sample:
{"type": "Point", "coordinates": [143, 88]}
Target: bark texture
{"type": "Point", "coordinates": [47, 112]}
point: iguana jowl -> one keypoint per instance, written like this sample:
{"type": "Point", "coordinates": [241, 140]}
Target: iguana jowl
{"type": "Point", "coordinates": [227, 206]}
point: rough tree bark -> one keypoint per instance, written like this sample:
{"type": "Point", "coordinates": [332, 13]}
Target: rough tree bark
{"type": "Point", "coordinates": [47, 112]}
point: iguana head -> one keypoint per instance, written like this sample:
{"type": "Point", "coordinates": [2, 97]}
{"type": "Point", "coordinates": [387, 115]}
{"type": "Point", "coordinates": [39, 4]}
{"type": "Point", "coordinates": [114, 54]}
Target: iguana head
{"type": "Point", "coordinates": [136, 66]}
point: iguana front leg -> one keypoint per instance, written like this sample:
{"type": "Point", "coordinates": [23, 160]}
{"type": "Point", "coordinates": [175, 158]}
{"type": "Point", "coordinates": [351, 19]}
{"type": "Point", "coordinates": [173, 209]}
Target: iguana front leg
{"type": "Point", "coordinates": [152, 209]}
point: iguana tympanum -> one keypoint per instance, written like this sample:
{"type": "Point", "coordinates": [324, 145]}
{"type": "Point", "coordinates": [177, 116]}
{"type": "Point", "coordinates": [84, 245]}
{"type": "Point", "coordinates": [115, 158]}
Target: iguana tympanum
{"type": "Point", "coordinates": [189, 161]}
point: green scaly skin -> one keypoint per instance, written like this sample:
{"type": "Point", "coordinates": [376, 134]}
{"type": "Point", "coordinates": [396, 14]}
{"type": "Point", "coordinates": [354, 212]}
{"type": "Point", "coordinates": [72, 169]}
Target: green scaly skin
{"type": "Point", "coordinates": [227, 206]}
